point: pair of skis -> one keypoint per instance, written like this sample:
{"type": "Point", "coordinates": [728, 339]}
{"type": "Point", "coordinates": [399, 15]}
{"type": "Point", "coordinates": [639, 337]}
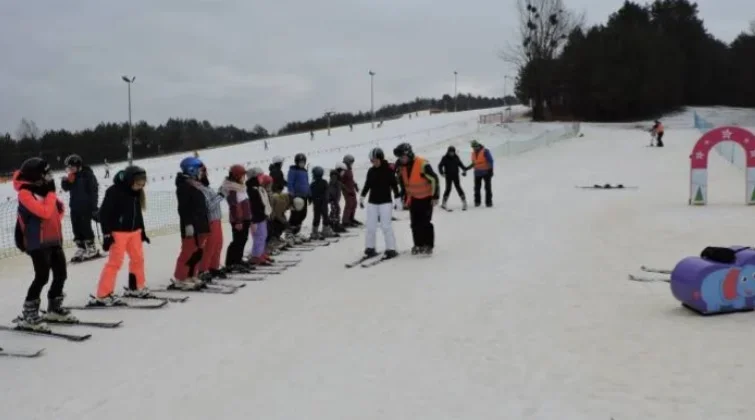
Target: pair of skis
{"type": "Point", "coordinates": [371, 261]}
{"type": "Point", "coordinates": [27, 355]}
{"type": "Point", "coordinates": [652, 279]}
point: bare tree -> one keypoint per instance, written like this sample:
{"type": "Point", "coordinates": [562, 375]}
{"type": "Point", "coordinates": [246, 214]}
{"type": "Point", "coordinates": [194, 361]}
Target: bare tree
{"type": "Point", "coordinates": [27, 129]}
{"type": "Point", "coordinates": [752, 27]}
{"type": "Point", "coordinates": [544, 26]}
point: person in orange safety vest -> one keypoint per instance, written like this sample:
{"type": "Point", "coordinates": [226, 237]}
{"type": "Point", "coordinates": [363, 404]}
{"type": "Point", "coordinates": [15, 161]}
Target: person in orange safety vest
{"type": "Point", "coordinates": [420, 184]}
{"type": "Point", "coordinates": [482, 162]}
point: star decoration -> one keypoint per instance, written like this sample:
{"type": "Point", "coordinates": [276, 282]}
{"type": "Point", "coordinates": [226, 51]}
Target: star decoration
{"type": "Point", "coordinates": [727, 134]}
{"type": "Point", "coordinates": [699, 155]}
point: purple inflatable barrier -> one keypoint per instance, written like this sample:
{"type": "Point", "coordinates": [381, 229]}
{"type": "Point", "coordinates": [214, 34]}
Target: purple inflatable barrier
{"type": "Point", "coordinates": [708, 287]}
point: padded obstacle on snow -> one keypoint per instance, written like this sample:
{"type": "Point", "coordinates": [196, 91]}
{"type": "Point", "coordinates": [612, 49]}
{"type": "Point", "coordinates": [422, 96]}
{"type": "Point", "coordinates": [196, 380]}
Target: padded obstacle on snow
{"type": "Point", "coordinates": [710, 287]}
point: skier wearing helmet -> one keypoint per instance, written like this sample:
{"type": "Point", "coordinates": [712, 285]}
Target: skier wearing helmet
{"type": "Point", "coordinates": [298, 187]}
{"type": "Point", "coordinates": [319, 200]}
{"type": "Point", "coordinates": [448, 168]}
{"type": "Point", "coordinates": [39, 233]}
{"type": "Point", "coordinates": [421, 186]}
{"type": "Point", "coordinates": [194, 223]}
{"type": "Point", "coordinates": [482, 162]}
{"type": "Point", "coordinates": [83, 189]}
{"type": "Point", "coordinates": [276, 172]}
{"type": "Point", "coordinates": [350, 191]}
{"type": "Point", "coordinates": [240, 216]}
{"type": "Point", "coordinates": [379, 184]}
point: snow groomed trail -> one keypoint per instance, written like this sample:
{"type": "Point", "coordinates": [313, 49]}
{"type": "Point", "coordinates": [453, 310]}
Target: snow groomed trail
{"type": "Point", "coordinates": [524, 312]}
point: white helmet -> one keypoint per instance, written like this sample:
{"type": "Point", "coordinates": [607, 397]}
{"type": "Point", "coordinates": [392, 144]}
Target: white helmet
{"type": "Point", "coordinates": [340, 166]}
{"type": "Point", "coordinates": [299, 204]}
{"type": "Point", "coordinates": [278, 159]}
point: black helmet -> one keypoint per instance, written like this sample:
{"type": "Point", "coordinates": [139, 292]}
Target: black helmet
{"type": "Point", "coordinates": [34, 169]}
{"type": "Point", "coordinates": [403, 149]}
{"type": "Point", "coordinates": [348, 159]}
{"type": "Point", "coordinates": [132, 174]}
{"type": "Point", "coordinates": [299, 158]}
{"type": "Point", "coordinates": [451, 149]}
{"type": "Point", "coordinates": [377, 153]}
{"type": "Point", "coordinates": [74, 160]}
{"type": "Point", "coordinates": [318, 172]}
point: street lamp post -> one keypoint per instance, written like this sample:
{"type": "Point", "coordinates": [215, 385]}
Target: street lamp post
{"type": "Point", "coordinates": [328, 113]}
{"type": "Point", "coordinates": [129, 81]}
{"type": "Point", "coordinates": [456, 94]}
{"type": "Point", "coordinates": [372, 97]}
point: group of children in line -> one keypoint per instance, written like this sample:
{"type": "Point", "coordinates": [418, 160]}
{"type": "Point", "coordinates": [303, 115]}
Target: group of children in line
{"type": "Point", "coordinates": [257, 208]}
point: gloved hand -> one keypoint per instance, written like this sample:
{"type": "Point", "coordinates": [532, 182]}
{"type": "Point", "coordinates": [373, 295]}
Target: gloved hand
{"type": "Point", "coordinates": [361, 202]}
{"type": "Point", "coordinates": [107, 242]}
{"type": "Point", "coordinates": [96, 215]}
{"type": "Point", "coordinates": [145, 238]}
{"type": "Point", "coordinates": [491, 172]}
{"type": "Point", "coordinates": [188, 231]}
{"type": "Point", "coordinates": [464, 173]}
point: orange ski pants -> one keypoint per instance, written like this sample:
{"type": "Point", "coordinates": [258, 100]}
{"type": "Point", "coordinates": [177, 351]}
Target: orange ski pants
{"type": "Point", "coordinates": [123, 243]}
{"type": "Point", "coordinates": [211, 256]}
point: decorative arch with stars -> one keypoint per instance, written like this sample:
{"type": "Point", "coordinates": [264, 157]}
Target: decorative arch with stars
{"type": "Point", "coordinates": [698, 191]}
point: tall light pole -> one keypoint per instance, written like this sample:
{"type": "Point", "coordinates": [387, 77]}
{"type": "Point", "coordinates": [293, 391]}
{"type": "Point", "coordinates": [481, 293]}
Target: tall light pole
{"type": "Point", "coordinates": [372, 97]}
{"type": "Point", "coordinates": [456, 95]}
{"type": "Point", "coordinates": [505, 90]}
{"type": "Point", "coordinates": [328, 113]}
{"type": "Point", "coordinates": [130, 127]}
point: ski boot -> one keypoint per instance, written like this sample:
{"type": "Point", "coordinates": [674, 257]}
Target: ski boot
{"type": "Point", "coordinates": [219, 273]}
{"type": "Point", "coordinates": [109, 300]}
{"type": "Point", "coordinates": [426, 250]}
{"type": "Point", "coordinates": [267, 258]}
{"type": "Point", "coordinates": [370, 252]}
{"type": "Point", "coordinates": [206, 278]}
{"type": "Point", "coordinates": [315, 235]}
{"type": "Point", "coordinates": [338, 228]}
{"type": "Point", "coordinates": [463, 204]}
{"type": "Point", "coordinates": [238, 269]}
{"type": "Point", "coordinates": [327, 232]}
{"type": "Point", "coordinates": [57, 313]}
{"type": "Point", "coordinates": [259, 261]}
{"type": "Point", "coordinates": [189, 283]}
{"type": "Point", "coordinates": [29, 319]}
{"type": "Point", "coordinates": [143, 293]}
{"type": "Point", "coordinates": [80, 253]}
{"type": "Point", "coordinates": [90, 250]}
{"type": "Point", "coordinates": [390, 253]}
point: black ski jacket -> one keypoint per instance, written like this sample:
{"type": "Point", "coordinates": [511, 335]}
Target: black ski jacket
{"type": "Point", "coordinates": [449, 166]}
{"type": "Point", "coordinates": [121, 209]}
{"type": "Point", "coordinates": [192, 206]}
{"type": "Point", "coordinates": [279, 181]}
{"type": "Point", "coordinates": [83, 190]}
{"type": "Point", "coordinates": [380, 182]}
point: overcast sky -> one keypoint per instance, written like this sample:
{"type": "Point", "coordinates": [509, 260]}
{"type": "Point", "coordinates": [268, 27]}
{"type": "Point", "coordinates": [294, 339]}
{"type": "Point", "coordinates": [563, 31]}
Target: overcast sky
{"type": "Point", "coordinates": [259, 61]}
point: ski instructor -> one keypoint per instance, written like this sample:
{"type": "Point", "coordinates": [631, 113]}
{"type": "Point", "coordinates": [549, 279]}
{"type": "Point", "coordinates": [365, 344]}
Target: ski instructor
{"type": "Point", "coordinates": [421, 186]}
{"type": "Point", "coordinates": [482, 162]}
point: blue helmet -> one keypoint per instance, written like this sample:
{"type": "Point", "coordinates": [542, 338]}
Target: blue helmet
{"type": "Point", "coordinates": [191, 166]}
{"type": "Point", "coordinates": [318, 172]}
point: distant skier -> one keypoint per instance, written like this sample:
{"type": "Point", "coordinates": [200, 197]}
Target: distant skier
{"type": "Point", "coordinates": [107, 169]}
{"type": "Point", "coordinates": [123, 233]}
{"type": "Point", "coordinates": [449, 167]}
{"type": "Point", "coordinates": [240, 216]}
{"type": "Point", "coordinates": [298, 187]}
{"type": "Point", "coordinates": [657, 132]}
{"type": "Point", "coordinates": [382, 187]}
{"type": "Point", "coordinates": [39, 233]}
{"type": "Point", "coordinates": [266, 145]}
{"type": "Point", "coordinates": [276, 171]}
{"type": "Point", "coordinates": [194, 224]}
{"type": "Point", "coordinates": [421, 185]}
{"type": "Point", "coordinates": [482, 162]}
{"type": "Point", "coordinates": [82, 186]}
{"type": "Point", "coordinates": [319, 200]}
{"type": "Point", "coordinates": [350, 190]}
{"type": "Point", "coordinates": [311, 135]}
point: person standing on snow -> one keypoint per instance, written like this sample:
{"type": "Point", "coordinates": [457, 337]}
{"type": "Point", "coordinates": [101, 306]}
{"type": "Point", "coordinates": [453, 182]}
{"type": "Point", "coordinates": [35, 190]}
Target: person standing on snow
{"type": "Point", "coordinates": [82, 186]}
{"type": "Point", "coordinates": [39, 233]}
{"type": "Point", "coordinates": [122, 224]}
{"type": "Point", "coordinates": [209, 267]}
{"type": "Point", "coordinates": [379, 184]}
{"type": "Point", "coordinates": [334, 198]}
{"type": "Point", "coordinates": [261, 210]}
{"type": "Point", "coordinates": [319, 200]}
{"type": "Point", "coordinates": [482, 162]}
{"type": "Point", "coordinates": [449, 168]}
{"type": "Point", "coordinates": [421, 186]}
{"type": "Point", "coordinates": [276, 172]}
{"type": "Point", "coordinates": [194, 223]}
{"type": "Point", "coordinates": [240, 216]}
{"type": "Point", "coordinates": [657, 132]}
{"type": "Point", "coordinates": [350, 191]}
{"type": "Point", "coordinates": [298, 187]}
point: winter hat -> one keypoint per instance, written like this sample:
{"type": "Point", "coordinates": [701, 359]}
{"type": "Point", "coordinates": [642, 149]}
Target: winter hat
{"type": "Point", "coordinates": [236, 172]}
{"type": "Point", "coordinates": [132, 174]}
{"type": "Point", "coordinates": [254, 172]}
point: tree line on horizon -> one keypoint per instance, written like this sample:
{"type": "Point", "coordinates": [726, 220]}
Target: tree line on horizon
{"type": "Point", "coordinates": [109, 141]}
{"type": "Point", "coordinates": [645, 61]}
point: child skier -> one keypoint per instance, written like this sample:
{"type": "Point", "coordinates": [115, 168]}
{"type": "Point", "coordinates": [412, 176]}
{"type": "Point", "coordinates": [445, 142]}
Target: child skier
{"type": "Point", "coordinates": [449, 167]}
{"type": "Point", "coordinates": [260, 205]}
{"type": "Point", "coordinates": [81, 184]}
{"type": "Point", "coordinates": [350, 191]}
{"type": "Point", "coordinates": [276, 172]}
{"type": "Point", "coordinates": [380, 182]}
{"type": "Point", "coordinates": [240, 216]}
{"type": "Point", "coordinates": [280, 203]}
{"type": "Point", "coordinates": [123, 233]}
{"type": "Point", "coordinates": [334, 199]}
{"type": "Point", "coordinates": [209, 266]}
{"type": "Point", "coordinates": [39, 233]}
{"type": "Point", "coordinates": [194, 224]}
{"type": "Point", "coordinates": [298, 187]}
{"type": "Point", "coordinates": [319, 199]}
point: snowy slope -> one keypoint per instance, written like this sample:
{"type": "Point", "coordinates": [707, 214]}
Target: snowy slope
{"type": "Point", "coordinates": [523, 313]}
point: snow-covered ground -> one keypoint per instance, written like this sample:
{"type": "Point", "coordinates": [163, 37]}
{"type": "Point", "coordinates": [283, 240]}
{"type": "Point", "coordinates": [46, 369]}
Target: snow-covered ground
{"type": "Point", "coordinates": [524, 312]}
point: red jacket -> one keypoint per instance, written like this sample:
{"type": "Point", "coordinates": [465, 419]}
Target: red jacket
{"type": "Point", "coordinates": [39, 223]}
{"type": "Point", "coordinates": [347, 180]}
